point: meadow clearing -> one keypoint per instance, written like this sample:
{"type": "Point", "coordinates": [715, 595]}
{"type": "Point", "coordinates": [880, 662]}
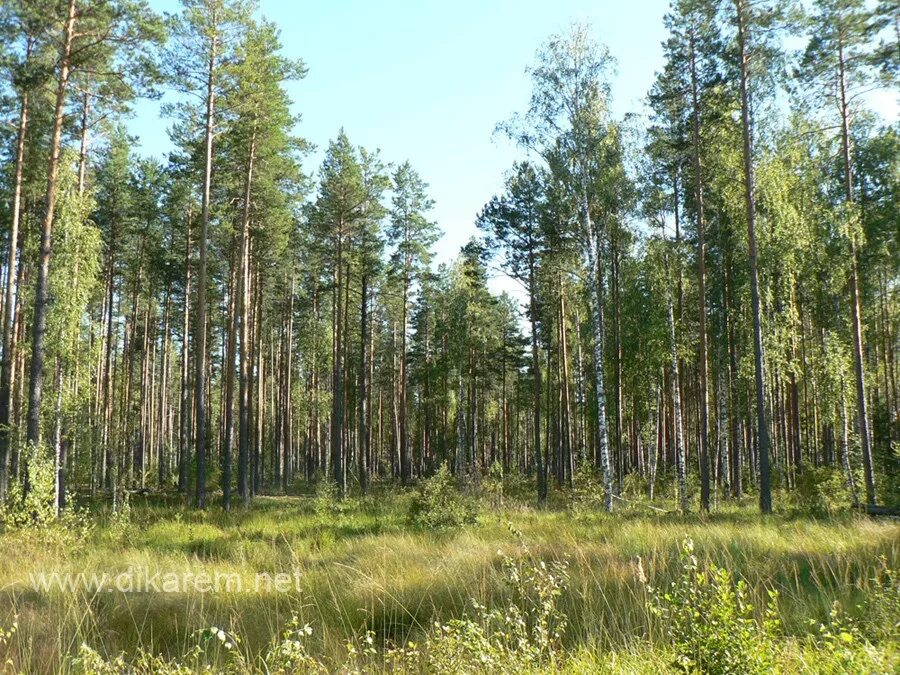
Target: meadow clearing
{"type": "Point", "coordinates": [364, 580]}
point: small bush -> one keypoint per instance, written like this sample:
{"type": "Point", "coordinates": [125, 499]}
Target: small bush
{"type": "Point", "coordinates": [37, 507]}
{"type": "Point", "coordinates": [439, 505]}
{"type": "Point", "coordinates": [588, 491]}
{"type": "Point", "coordinates": [710, 623]}
{"type": "Point", "coordinates": [819, 492]}
{"type": "Point", "coordinates": [519, 487]}
{"type": "Point", "coordinates": [120, 525]}
{"type": "Point", "coordinates": [523, 637]}
{"type": "Point", "coordinates": [328, 503]}
{"type": "Point", "coordinates": [493, 485]}
{"type": "Point", "coordinates": [289, 654]}
{"type": "Point", "coordinates": [840, 646]}
{"type": "Point", "coordinates": [635, 486]}
{"type": "Point", "coordinates": [881, 614]}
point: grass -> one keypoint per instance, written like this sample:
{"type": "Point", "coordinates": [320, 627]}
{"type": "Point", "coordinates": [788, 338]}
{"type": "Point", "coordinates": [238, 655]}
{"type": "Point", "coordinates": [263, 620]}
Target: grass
{"type": "Point", "coordinates": [363, 568]}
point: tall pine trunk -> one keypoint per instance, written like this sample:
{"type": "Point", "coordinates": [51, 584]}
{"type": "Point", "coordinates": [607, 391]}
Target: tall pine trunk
{"type": "Point", "coordinates": [701, 285]}
{"type": "Point", "coordinates": [762, 429]}
{"type": "Point", "coordinates": [200, 356]}
{"type": "Point", "coordinates": [39, 325]}
{"type": "Point", "coordinates": [7, 371]}
{"type": "Point", "coordinates": [243, 299]}
{"type": "Point", "coordinates": [536, 379]}
{"type": "Point", "coordinates": [855, 310]}
{"type": "Point", "coordinates": [362, 460]}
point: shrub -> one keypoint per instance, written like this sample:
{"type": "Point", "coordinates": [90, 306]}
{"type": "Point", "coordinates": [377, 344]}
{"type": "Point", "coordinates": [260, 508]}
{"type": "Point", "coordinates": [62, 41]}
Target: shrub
{"type": "Point", "coordinates": [120, 526]}
{"type": "Point", "coordinates": [819, 491]}
{"type": "Point", "coordinates": [90, 662]}
{"type": "Point", "coordinates": [519, 487]}
{"type": "Point", "coordinates": [588, 492]}
{"type": "Point", "coordinates": [289, 654]}
{"type": "Point", "coordinates": [635, 486]}
{"type": "Point", "coordinates": [439, 505]}
{"type": "Point", "coordinates": [881, 613]}
{"type": "Point", "coordinates": [710, 623]}
{"type": "Point", "coordinates": [523, 637]}
{"type": "Point", "coordinates": [493, 485]}
{"type": "Point", "coordinates": [37, 507]}
{"type": "Point", "coordinates": [840, 646]}
{"type": "Point", "coordinates": [328, 503]}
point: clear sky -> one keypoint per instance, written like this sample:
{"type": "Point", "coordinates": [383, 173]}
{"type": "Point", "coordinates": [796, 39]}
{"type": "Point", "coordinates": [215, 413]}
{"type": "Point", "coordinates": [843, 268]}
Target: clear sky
{"type": "Point", "coordinates": [427, 81]}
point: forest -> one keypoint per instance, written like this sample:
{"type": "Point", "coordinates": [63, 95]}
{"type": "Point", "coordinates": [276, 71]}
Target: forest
{"type": "Point", "coordinates": [220, 361]}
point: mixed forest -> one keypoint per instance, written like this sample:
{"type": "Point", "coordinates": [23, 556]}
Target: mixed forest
{"type": "Point", "coordinates": [705, 322]}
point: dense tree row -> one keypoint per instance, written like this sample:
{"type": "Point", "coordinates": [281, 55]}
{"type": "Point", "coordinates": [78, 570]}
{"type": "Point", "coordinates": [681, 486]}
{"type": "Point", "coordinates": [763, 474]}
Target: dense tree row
{"type": "Point", "coordinates": [708, 296]}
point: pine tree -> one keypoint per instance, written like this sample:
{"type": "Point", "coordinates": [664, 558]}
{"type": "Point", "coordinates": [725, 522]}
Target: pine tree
{"type": "Point", "coordinates": [412, 236]}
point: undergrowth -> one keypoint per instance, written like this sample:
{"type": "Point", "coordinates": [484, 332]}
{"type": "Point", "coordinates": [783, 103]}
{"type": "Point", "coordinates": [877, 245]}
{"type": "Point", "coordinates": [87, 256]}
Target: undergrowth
{"type": "Point", "coordinates": [384, 590]}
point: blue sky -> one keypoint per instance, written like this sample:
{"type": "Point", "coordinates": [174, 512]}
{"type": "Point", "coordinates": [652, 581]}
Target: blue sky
{"type": "Point", "coordinates": [427, 81]}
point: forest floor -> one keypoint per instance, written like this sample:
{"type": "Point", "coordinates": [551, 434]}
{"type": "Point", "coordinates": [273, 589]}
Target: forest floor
{"type": "Point", "coordinates": [359, 566]}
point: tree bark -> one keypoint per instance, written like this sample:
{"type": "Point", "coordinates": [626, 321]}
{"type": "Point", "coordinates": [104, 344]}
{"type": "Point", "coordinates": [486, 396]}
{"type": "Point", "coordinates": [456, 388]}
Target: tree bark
{"type": "Point", "coordinates": [403, 377]}
{"type": "Point", "coordinates": [184, 422]}
{"type": "Point", "coordinates": [39, 326]}
{"type": "Point", "coordinates": [337, 373]}
{"type": "Point", "coordinates": [536, 379]}
{"type": "Point", "coordinates": [362, 460]}
{"type": "Point", "coordinates": [762, 429]}
{"type": "Point", "coordinates": [701, 284]}
{"type": "Point", "coordinates": [243, 298]}
{"type": "Point", "coordinates": [596, 302]}
{"type": "Point", "coordinates": [855, 310]}
{"type": "Point", "coordinates": [287, 416]}
{"type": "Point", "coordinates": [7, 370]}
{"type": "Point", "coordinates": [200, 356]}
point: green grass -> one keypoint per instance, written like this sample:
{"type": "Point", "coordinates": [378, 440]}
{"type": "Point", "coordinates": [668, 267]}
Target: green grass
{"type": "Point", "coordinates": [365, 569]}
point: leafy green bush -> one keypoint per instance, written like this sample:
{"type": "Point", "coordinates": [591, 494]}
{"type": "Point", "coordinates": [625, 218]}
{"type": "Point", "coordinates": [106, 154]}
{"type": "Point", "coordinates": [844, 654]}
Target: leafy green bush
{"type": "Point", "coordinates": [587, 491]}
{"type": "Point", "coordinates": [887, 487]}
{"type": "Point", "coordinates": [120, 526]}
{"type": "Point", "coordinates": [37, 507]}
{"type": "Point", "coordinates": [710, 623]}
{"type": "Point", "coordinates": [523, 637]}
{"type": "Point", "coordinates": [882, 608]}
{"type": "Point", "coordinates": [519, 487]}
{"type": "Point", "coordinates": [635, 486]}
{"type": "Point", "coordinates": [328, 503]}
{"type": "Point", "coordinates": [493, 485]}
{"type": "Point", "coordinates": [840, 645]}
{"type": "Point", "coordinates": [819, 491]}
{"type": "Point", "coordinates": [439, 505]}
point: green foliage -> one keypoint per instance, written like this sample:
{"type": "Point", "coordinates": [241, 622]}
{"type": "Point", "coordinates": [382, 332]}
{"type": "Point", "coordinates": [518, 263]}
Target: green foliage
{"type": "Point", "coordinates": [710, 622]}
{"type": "Point", "coordinates": [379, 584]}
{"type": "Point", "coordinates": [839, 642]}
{"type": "Point", "coordinates": [819, 491]}
{"type": "Point", "coordinates": [518, 486]}
{"type": "Point", "coordinates": [290, 654]}
{"type": "Point", "coordinates": [887, 485]}
{"type": "Point", "coordinates": [634, 486]}
{"type": "Point", "coordinates": [588, 492]}
{"type": "Point", "coordinates": [35, 507]}
{"type": "Point", "coordinates": [328, 503]}
{"type": "Point", "coordinates": [523, 637]}
{"type": "Point", "coordinates": [881, 617]}
{"type": "Point", "coordinates": [120, 525]}
{"type": "Point", "coordinates": [439, 504]}
{"type": "Point", "coordinates": [90, 662]}
{"type": "Point", "coordinates": [76, 265]}
{"type": "Point", "coordinates": [493, 484]}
